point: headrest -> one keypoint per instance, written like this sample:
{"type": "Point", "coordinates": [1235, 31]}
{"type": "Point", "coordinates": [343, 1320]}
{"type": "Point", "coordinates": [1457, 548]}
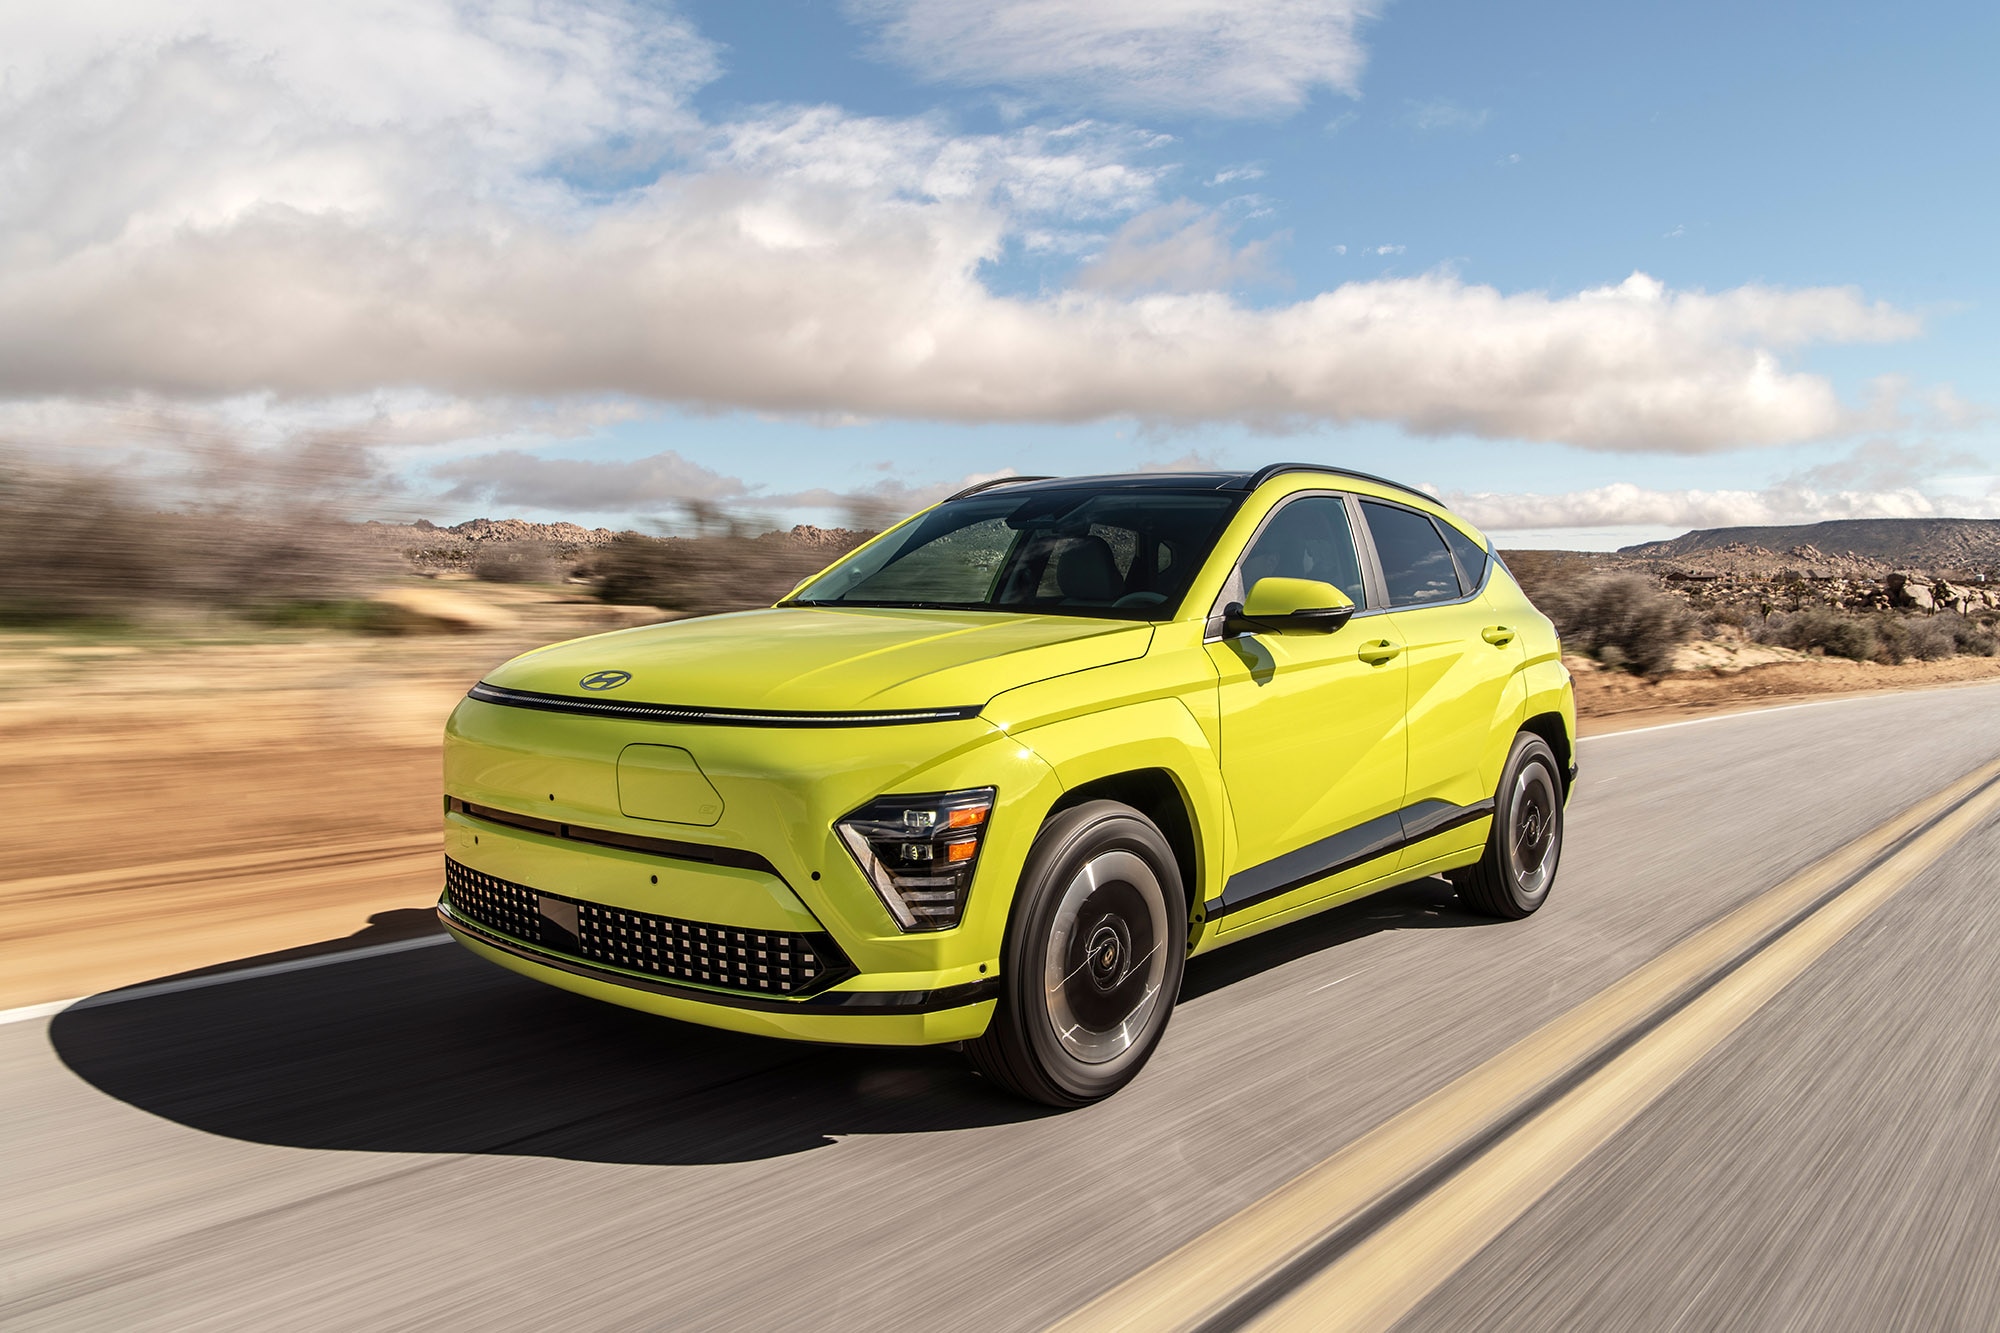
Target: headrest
{"type": "Point", "coordinates": [1088, 572]}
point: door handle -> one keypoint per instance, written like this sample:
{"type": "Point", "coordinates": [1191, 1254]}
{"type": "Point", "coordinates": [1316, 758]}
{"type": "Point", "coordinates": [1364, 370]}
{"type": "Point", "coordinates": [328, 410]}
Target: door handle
{"type": "Point", "coordinates": [1378, 652]}
{"type": "Point", "coordinates": [1498, 635]}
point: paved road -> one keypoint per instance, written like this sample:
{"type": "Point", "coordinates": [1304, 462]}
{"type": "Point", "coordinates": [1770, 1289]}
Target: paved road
{"type": "Point", "coordinates": [417, 1138]}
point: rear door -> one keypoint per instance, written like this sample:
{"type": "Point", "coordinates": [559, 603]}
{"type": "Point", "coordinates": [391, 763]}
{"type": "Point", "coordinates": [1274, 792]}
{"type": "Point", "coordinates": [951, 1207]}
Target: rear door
{"type": "Point", "coordinates": [1312, 723]}
{"type": "Point", "coordinates": [1462, 659]}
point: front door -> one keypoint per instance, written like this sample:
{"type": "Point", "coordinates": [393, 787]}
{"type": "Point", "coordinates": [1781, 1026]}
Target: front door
{"type": "Point", "coordinates": [1313, 740]}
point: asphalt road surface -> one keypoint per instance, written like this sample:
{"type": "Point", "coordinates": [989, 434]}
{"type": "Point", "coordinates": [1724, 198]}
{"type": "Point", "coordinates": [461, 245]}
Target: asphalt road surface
{"type": "Point", "coordinates": [418, 1139]}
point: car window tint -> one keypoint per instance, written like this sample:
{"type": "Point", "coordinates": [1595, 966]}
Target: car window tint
{"type": "Point", "coordinates": [958, 566]}
{"type": "Point", "coordinates": [1128, 554]}
{"type": "Point", "coordinates": [1416, 564]}
{"type": "Point", "coordinates": [1307, 539]}
{"type": "Point", "coordinates": [1471, 558]}
{"type": "Point", "coordinates": [1100, 557]}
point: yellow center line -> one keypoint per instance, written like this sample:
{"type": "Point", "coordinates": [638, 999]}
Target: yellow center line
{"type": "Point", "coordinates": [1206, 1277]}
{"type": "Point", "coordinates": [1385, 1276]}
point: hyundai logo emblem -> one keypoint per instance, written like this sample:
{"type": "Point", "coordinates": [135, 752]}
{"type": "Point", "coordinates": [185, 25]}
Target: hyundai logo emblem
{"type": "Point", "coordinates": [605, 680]}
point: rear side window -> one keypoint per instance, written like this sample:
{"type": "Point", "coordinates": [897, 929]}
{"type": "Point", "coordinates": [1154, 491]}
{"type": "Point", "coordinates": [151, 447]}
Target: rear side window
{"type": "Point", "coordinates": [1471, 557]}
{"type": "Point", "coordinates": [1416, 564]}
{"type": "Point", "coordinates": [1307, 539]}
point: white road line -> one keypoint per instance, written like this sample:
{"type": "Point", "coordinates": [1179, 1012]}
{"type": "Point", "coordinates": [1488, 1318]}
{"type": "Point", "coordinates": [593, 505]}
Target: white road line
{"type": "Point", "coordinates": [1781, 708]}
{"type": "Point", "coordinates": [29, 1012]}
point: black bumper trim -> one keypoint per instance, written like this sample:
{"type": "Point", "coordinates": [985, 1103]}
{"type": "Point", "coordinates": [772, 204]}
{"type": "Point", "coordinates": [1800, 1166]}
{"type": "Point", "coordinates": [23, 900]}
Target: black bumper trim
{"type": "Point", "coordinates": [826, 1002]}
{"type": "Point", "coordinates": [631, 842]}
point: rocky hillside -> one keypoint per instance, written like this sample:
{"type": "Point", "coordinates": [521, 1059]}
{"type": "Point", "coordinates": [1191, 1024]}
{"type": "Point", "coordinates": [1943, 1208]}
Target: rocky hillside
{"type": "Point", "coordinates": [428, 546]}
{"type": "Point", "coordinates": [563, 545]}
{"type": "Point", "coordinates": [1940, 545]}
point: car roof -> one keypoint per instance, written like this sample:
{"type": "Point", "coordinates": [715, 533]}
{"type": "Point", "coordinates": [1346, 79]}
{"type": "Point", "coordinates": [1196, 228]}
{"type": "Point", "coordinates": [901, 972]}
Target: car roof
{"type": "Point", "coordinates": [1183, 481]}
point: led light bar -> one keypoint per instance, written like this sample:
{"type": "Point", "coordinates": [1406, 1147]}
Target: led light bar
{"type": "Point", "coordinates": [919, 852]}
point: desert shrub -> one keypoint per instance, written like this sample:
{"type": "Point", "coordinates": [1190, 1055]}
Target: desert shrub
{"type": "Point", "coordinates": [78, 547]}
{"type": "Point", "coordinates": [514, 562]}
{"type": "Point", "coordinates": [1733, 616]}
{"type": "Point", "coordinates": [1968, 636]}
{"type": "Point", "coordinates": [1543, 575]}
{"type": "Point", "coordinates": [1892, 639]}
{"type": "Point", "coordinates": [1823, 628]}
{"type": "Point", "coordinates": [726, 571]}
{"type": "Point", "coordinates": [72, 547]}
{"type": "Point", "coordinates": [1621, 619]}
{"type": "Point", "coordinates": [1931, 641]}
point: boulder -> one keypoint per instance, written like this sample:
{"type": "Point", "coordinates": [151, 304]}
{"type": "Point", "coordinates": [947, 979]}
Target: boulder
{"type": "Point", "coordinates": [1910, 590]}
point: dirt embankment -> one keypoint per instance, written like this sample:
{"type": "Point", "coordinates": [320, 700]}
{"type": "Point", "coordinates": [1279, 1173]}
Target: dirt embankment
{"type": "Point", "coordinates": [183, 805]}
{"type": "Point", "coordinates": [174, 807]}
{"type": "Point", "coordinates": [1615, 701]}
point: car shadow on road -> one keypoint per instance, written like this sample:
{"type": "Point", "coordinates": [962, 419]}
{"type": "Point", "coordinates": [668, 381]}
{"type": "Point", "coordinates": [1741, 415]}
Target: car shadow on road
{"type": "Point", "coordinates": [432, 1050]}
{"type": "Point", "coordinates": [1426, 904]}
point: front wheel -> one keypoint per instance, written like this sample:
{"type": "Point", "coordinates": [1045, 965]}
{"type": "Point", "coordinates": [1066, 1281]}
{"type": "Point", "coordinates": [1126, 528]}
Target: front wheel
{"type": "Point", "coordinates": [1512, 878]}
{"type": "Point", "coordinates": [1092, 961]}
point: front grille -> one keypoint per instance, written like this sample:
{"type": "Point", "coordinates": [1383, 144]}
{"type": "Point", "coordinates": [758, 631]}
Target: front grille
{"type": "Point", "coordinates": [698, 952]}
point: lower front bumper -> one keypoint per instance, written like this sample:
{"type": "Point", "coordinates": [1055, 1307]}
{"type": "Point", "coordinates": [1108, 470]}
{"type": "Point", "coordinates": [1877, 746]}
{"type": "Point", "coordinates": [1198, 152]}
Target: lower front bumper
{"type": "Point", "coordinates": [859, 1017]}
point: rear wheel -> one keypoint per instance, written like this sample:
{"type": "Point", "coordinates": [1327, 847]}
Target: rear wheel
{"type": "Point", "coordinates": [1092, 960]}
{"type": "Point", "coordinates": [1512, 878]}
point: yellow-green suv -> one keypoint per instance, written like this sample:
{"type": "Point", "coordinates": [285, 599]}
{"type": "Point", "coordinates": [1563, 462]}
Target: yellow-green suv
{"type": "Point", "coordinates": [994, 777]}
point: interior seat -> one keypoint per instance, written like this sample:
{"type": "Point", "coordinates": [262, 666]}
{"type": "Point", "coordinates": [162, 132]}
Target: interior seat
{"type": "Point", "coordinates": [1087, 572]}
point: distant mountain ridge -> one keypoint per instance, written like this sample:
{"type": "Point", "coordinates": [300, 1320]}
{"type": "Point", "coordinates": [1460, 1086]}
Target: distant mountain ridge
{"type": "Point", "coordinates": [1913, 543]}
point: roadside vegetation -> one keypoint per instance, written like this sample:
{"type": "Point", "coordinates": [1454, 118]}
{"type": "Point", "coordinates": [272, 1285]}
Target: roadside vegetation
{"type": "Point", "coordinates": [717, 571]}
{"type": "Point", "coordinates": [239, 541]}
{"type": "Point", "coordinates": [254, 541]}
{"type": "Point", "coordinates": [1626, 621]}
{"type": "Point", "coordinates": [83, 548]}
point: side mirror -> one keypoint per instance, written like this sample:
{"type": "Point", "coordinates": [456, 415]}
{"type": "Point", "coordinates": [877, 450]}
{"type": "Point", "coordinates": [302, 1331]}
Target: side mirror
{"type": "Point", "coordinates": [1289, 604]}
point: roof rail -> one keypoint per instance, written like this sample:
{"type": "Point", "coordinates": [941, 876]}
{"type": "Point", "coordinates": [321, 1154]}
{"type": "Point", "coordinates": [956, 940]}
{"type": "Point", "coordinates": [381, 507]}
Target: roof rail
{"type": "Point", "coordinates": [1270, 470]}
{"type": "Point", "coordinates": [978, 486]}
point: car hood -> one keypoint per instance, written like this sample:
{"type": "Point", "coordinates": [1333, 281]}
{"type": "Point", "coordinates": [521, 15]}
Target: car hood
{"type": "Point", "coordinates": [823, 659]}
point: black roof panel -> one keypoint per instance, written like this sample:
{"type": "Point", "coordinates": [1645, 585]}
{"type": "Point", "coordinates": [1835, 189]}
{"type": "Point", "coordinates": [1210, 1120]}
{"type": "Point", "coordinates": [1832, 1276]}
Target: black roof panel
{"type": "Point", "coordinates": [1182, 481]}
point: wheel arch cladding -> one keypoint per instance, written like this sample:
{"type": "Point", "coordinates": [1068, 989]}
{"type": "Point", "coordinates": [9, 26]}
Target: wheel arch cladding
{"type": "Point", "coordinates": [1549, 726]}
{"type": "Point", "coordinates": [1154, 794]}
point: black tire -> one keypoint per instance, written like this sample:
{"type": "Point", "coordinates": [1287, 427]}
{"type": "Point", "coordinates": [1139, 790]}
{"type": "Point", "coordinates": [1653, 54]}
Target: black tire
{"type": "Point", "coordinates": [1092, 961]}
{"type": "Point", "coordinates": [1513, 876]}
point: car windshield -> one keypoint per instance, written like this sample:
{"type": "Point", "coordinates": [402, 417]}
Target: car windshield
{"type": "Point", "coordinates": [1126, 554]}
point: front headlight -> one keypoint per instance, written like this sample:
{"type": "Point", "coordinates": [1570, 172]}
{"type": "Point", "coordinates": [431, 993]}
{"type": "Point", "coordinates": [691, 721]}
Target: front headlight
{"type": "Point", "coordinates": [919, 852]}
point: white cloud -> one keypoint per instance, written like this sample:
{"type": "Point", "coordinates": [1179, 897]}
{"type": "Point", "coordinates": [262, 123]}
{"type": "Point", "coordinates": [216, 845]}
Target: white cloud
{"type": "Point", "coordinates": [1230, 175]}
{"type": "Point", "coordinates": [511, 479]}
{"type": "Point", "coordinates": [1874, 479]}
{"type": "Point", "coordinates": [1221, 57]}
{"type": "Point", "coordinates": [1622, 504]}
{"type": "Point", "coordinates": [379, 421]}
{"type": "Point", "coordinates": [1175, 247]}
{"type": "Point", "coordinates": [1442, 114]}
{"type": "Point", "coordinates": [210, 212]}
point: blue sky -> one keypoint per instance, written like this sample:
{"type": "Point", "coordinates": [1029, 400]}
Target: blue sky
{"type": "Point", "coordinates": [810, 260]}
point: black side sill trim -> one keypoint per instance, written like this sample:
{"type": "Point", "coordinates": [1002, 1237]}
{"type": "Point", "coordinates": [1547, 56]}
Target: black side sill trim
{"type": "Point", "coordinates": [826, 1002]}
{"type": "Point", "coordinates": [733, 857]}
{"type": "Point", "coordinates": [717, 717]}
{"type": "Point", "coordinates": [1365, 842]}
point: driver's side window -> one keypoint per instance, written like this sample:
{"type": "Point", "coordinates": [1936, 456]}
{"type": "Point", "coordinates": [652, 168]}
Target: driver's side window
{"type": "Point", "coordinates": [1309, 538]}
